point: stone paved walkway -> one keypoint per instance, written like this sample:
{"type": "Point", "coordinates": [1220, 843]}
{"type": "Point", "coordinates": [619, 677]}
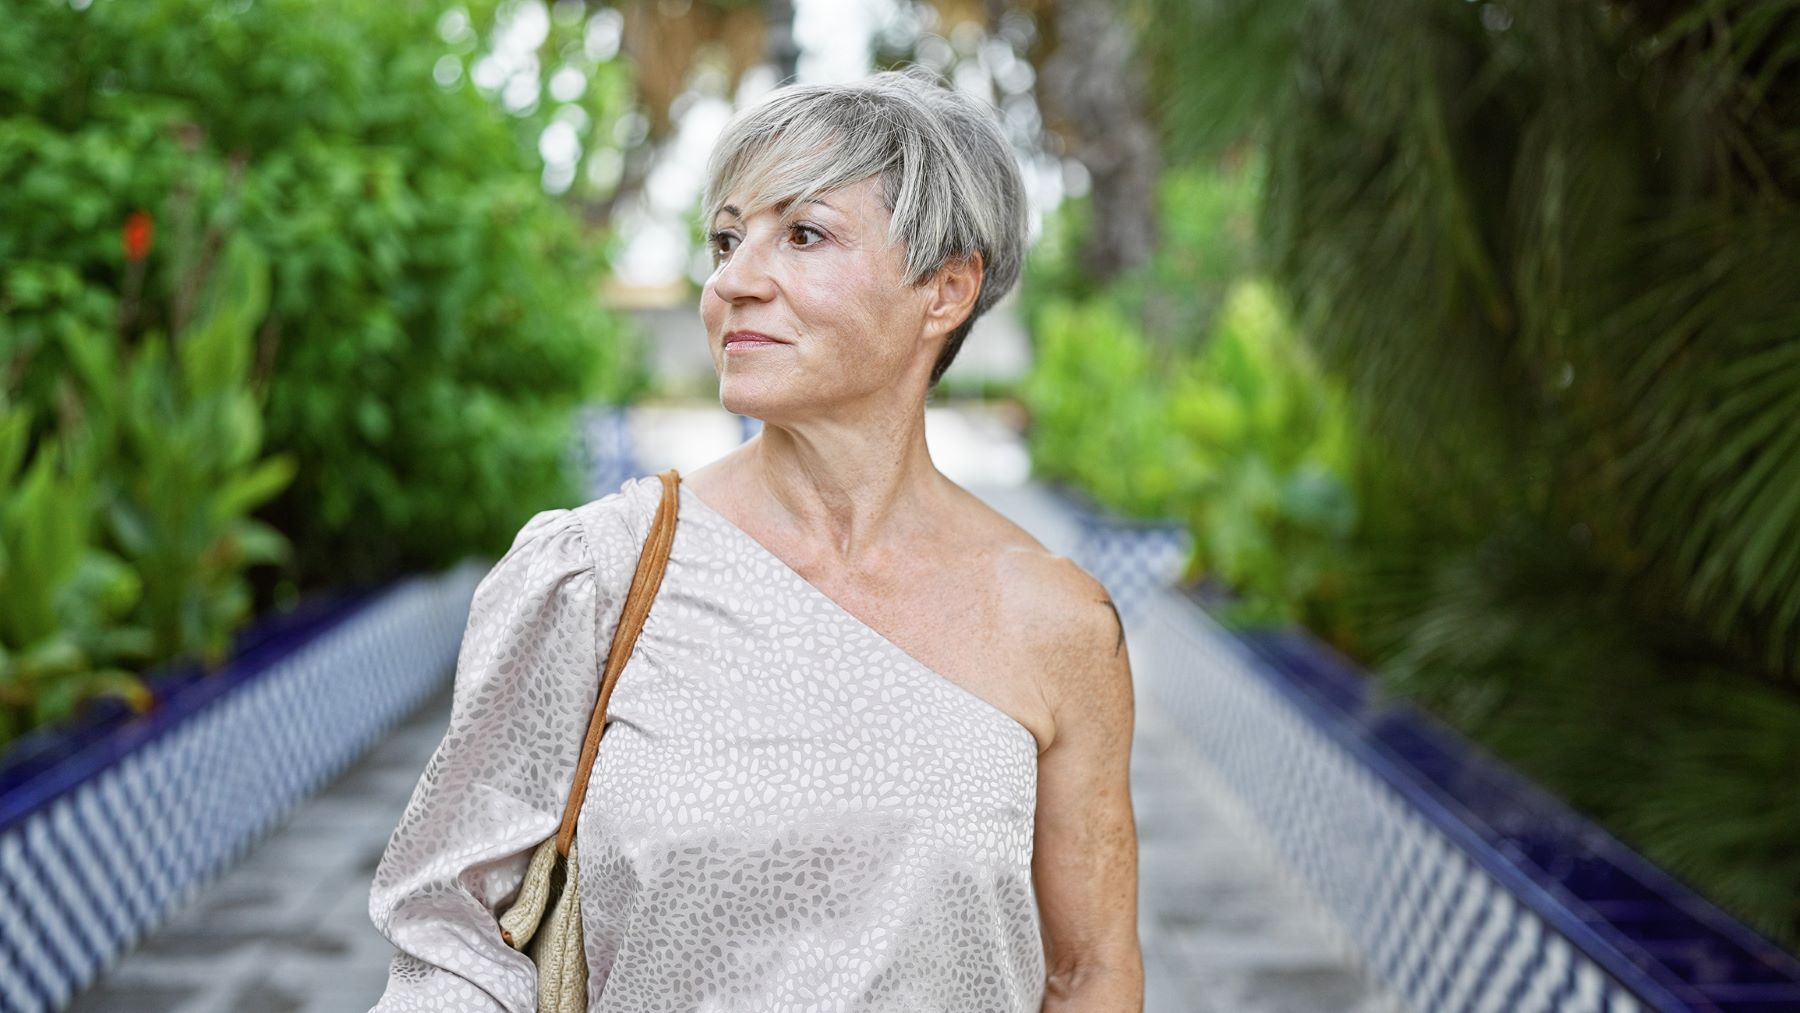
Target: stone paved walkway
{"type": "Point", "coordinates": [288, 928]}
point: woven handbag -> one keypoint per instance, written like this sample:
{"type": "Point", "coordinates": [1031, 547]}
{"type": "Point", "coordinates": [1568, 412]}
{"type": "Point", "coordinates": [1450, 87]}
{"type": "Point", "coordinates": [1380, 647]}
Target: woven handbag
{"type": "Point", "coordinates": [551, 880]}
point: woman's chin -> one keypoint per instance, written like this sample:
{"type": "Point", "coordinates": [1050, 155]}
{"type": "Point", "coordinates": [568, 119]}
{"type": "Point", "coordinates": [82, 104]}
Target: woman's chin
{"type": "Point", "coordinates": [747, 396]}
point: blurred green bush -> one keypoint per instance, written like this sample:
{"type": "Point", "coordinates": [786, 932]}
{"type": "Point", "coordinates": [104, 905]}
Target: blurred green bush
{"type": "Point", "coordinates": [1242, 440]}
{"type": "Point", "coordinates": [433, 316]}
{"type": "Point", "coordinates": [269, 294]}
{"type": "Point", "coordinates": [126, 535]}
{"type": "Point", "coordinates": [1269, 439]}
{"type": "Point", "coordinates": [1548, 251]}
{"type": "Point", "coordinates": [1099, 415]}
{"type": "Point", "coordinates": [1181, 391]}
{"type": "Point", "coordinates": [67, 624]}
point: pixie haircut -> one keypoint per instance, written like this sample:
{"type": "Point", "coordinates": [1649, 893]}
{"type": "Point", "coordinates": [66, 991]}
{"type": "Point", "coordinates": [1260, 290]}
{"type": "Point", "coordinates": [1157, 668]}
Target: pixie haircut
{"type": "Point", "coordinates": [948, 177]}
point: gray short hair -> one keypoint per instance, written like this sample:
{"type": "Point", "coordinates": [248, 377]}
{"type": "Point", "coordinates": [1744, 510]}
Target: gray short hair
{"type": "Point", "coordinates": [949, 178]}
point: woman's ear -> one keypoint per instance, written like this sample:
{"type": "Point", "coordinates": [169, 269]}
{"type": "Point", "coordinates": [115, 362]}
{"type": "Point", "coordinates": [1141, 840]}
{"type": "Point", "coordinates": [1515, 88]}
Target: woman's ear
{"type": "Point", "coordinates": [953, 294]}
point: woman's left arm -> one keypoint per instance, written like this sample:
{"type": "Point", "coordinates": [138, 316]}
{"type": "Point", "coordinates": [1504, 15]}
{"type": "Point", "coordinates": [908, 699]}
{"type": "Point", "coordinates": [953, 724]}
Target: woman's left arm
{"type": "Point", "coordinates": [1084, 859]}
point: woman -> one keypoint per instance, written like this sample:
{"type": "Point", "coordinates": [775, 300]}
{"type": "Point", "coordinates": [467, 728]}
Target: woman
{"type": "Point", "coordinates": [871, 750]}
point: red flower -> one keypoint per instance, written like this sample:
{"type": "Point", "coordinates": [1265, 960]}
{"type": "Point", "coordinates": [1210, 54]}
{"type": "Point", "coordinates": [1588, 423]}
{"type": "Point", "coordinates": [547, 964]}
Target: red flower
{"type": "Point", "coordinates": [137, 235]}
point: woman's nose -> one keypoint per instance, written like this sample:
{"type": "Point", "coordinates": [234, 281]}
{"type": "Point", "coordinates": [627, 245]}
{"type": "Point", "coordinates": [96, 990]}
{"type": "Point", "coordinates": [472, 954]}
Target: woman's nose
{"type": "Point", "coordinates": [745, 273]}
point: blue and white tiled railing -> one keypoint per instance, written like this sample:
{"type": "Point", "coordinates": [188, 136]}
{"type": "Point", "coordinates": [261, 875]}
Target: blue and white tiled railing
{"type": "Point", "coordinates": [1134, 559]}
{"type": "Point", "coordinates": [1465, 887]}
{"type": "Point", "coordinates": [108, 827]}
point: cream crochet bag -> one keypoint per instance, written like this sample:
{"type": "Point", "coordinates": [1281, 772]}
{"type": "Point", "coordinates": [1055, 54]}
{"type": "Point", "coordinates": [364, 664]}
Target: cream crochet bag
{"type": "Point", "coordinates": [552, 878]}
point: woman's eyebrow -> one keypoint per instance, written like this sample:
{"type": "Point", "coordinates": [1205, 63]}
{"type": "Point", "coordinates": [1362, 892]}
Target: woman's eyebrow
{"type": "Point", "coordinates": [734, 211]}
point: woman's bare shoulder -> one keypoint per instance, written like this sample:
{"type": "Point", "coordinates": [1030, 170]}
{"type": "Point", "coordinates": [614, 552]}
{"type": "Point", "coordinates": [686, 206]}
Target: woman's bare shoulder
{"type": "Point", "coordinates": [1046, 593]}
{"type": "Point", "coordinates": [1063, 624]}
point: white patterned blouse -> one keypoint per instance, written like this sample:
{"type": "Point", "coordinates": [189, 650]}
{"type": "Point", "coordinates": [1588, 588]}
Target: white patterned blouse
{"type": "Point", "coordinates": [788, 814]}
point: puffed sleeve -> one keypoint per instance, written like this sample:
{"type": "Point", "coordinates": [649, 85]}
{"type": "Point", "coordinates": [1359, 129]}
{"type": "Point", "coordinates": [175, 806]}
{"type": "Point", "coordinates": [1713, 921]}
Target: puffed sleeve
{"type": "Point", "coordinates": [527, 677]}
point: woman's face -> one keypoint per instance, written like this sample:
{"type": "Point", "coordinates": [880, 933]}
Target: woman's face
{"type": "Point", "coordinates": [822, 282]}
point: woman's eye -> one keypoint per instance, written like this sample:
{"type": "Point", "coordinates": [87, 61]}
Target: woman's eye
{"type": "Point", "coordinates": [721, 243]}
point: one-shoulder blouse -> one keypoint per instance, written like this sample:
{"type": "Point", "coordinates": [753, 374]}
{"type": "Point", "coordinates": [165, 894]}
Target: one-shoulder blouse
{"type": "Point", "coordinates": [788, 813]}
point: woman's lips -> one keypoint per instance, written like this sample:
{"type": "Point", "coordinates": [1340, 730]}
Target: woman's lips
{"type": "Point", "coordinates": [747, 343]}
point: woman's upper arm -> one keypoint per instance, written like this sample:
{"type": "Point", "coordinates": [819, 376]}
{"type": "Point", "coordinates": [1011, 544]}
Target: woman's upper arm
{"type": "Point", "coordinates": [1084, 861]}
{"type": "Point", "coordinates": [527, 676]}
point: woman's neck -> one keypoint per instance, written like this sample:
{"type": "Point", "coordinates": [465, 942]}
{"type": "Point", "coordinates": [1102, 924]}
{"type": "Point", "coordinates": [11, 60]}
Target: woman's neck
{"type": "Point", "coordinates": [849, 491]}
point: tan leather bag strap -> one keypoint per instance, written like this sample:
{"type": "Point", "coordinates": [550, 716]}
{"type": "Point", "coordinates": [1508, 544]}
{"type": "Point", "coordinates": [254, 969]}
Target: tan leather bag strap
{"type": "Point", "coordinates": [651, 561]}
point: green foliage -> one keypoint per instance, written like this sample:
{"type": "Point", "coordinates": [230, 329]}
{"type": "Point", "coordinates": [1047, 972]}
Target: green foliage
{"type": "Point", "coordinates": [66, 623]}
{"type": "Point", "coordinates": [189, 439]}
{"type": "Point", "coordinates": [951, 388]}
{"type": "Point", "coordinates": [1242, 440]}
{"type": "Point", "coordinates": [1207, 246]}
{"type": "Point", "coordinates": [1207, 217]}
{"type": "Point", "coordinates": [1099, 417]}
{"type": "Point", "coordinates": [1098, 392]}
{"type": "Point", "coordinates": [64, 283]}
{"type": "Point", "coordinates": [1550, 249]}
{"type": "Point", "coordinates": [1271, 506]}
{"type": "Point", "coordinates": [434, 316]}
{"type": "Point", "coordinates": [350, 307]}
{"type": "Point", "coordinates": [1179, 390]}
{"type": "Point", "coordinates": [1520, 643]}
{"type": "Point", "coordinates": [132, 546]}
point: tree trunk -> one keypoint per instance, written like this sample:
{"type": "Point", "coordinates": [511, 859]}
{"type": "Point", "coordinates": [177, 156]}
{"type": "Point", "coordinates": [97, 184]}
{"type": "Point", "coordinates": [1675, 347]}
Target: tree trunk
{"type": "Point", "coordinates": [1093, 95]}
